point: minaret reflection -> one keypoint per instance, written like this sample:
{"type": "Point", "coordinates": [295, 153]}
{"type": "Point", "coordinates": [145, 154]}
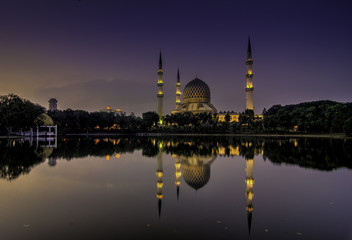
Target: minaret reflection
{"type": "Point", "coordinates": [178, 175]}
{"type": "Point", "coordinates": [248, 149]}
{"type": "Point", "coordinates": [249, 191]}
{"type": "Point", "coordinates": [159, 174]}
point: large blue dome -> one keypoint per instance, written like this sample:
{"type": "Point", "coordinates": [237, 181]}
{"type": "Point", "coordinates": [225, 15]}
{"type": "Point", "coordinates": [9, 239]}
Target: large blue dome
{"type": "Point", "coordinates": [196, 91]}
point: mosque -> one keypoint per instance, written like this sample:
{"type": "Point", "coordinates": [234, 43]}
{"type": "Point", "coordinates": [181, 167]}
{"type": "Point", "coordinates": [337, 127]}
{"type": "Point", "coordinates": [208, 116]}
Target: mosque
{"type": "Point", "coordinates": [196, 94]}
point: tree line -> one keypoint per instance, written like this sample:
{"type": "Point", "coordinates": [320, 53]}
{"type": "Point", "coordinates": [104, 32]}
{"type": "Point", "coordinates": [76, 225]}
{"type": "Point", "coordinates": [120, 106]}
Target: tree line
{"type": "Point", "coordinates": [17, 113]}
{"type": "Point", "coordinates": [310, 117]}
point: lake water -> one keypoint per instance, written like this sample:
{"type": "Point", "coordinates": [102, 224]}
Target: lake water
{"type": "Point", "coordinates": [176, 188]}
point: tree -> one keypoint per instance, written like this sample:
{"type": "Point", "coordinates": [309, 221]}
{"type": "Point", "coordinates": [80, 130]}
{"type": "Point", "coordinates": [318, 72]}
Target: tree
{"type": "Point", "coordinates": [273, 110]}
{"type": "Point", "coordinates": [204, 117]}
{"type": "Point", "coordinates": [150, 119]}
{"type": "Point", "coordinates": [347, 127]}
{"type": "Point", "coordinates": [16, 112]}
{"type": "Point", "coordinates": [227, 118]}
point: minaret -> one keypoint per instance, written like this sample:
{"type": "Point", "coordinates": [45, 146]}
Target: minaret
{"type": "Point", "coordinates": [249, 78]}
{"type": "Point", "coordinates": [159, 174]}
{"type": "Point", "coordinates": [160, 94]}
{"type": "Point", "coordinates": [178, 175]}
{"type": "Point", "coordinates": [249, 191]}
{"type": "Point", "coordinates": [178, 90]}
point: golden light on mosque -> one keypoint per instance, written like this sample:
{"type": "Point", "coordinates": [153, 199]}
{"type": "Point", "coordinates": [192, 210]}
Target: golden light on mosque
{"type": "Point", "coordinates": [250, 182]}
{"type": "Point", "coordinates": [250, 195]}
{"type": "Point", "coordinates": [249, 209]}
{"type": "Point", "coordinates": [159, 184]}
{"type": "Point", "coordinates": [246, 144]}
{"type": "Point", "coordinates": [107, 157]}
{"type": "Point", "coordinates": [222, 151]}
{"type": "Point", "coordinates": [178, 174]}
{"type": "Point", "coordinates": [235, 151]}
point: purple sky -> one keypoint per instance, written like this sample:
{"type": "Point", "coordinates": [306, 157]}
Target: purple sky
{"type": "Point", "coordinates": [93, 53]}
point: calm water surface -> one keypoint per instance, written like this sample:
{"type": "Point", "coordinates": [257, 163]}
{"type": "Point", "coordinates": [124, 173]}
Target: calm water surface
{"type": "Point", "coordinates": [176, 188]}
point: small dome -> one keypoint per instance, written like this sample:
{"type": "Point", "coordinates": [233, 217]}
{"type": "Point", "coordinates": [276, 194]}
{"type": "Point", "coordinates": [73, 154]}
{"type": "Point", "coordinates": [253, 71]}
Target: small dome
{"type": "Point", "coordinates": [44, 120]}
{"type": "Point", "coordinates": [196, 91]}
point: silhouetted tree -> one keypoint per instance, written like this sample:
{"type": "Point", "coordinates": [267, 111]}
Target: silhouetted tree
{"type": "Point", "coordinates": [150, 119]}
{"type": "Point", "coordinates": [16, 113]}
{"type": "Point", "coordinates": [347, 127]}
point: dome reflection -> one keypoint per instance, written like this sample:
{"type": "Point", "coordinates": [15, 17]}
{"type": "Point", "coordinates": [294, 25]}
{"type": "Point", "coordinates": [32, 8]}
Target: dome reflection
{"type": "Point", "coordinates": [196, 170]}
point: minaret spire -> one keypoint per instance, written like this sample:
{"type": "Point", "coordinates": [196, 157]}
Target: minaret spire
{"type": "Point", "coordinates": [178, 90]}
{"type": "Point", "coordinates": [249, 78]}
{"type": "Point", "coordinates": [178, 75]}
{"type": "Point", "coordinates": [249, 50]}
{"type": "Point", "coordinates": [160, 62]}
{"type": "Point", "coordinates": [160, 94]}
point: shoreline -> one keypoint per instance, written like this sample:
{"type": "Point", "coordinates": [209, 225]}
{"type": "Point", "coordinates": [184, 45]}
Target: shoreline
{"type": "Point", "coordinates": [265, 135]}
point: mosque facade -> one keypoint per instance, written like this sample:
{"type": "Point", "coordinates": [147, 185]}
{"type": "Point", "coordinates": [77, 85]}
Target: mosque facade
{"type": "Point", "coordinates": [196, 96]}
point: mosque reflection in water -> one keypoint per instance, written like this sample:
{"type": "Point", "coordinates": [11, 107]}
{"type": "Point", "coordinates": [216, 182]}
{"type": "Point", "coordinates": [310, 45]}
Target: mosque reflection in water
{"type": "Point", "coordinates": [193, 156]}
{"type": "Point", "coordinates": [195, 169]}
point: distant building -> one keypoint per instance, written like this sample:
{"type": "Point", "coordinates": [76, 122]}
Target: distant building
{"type": "Point", "coordinates": [116, 111]}
{"type": "Point", "coordinates": [52, 104]}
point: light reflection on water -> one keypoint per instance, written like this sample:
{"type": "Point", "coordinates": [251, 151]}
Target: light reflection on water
{"type": "Point", "coordinates": [190, 187]}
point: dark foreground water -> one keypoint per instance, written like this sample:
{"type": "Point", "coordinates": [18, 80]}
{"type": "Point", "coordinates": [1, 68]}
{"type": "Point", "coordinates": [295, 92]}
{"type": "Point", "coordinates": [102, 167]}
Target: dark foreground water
{"type": "Point", "coordinates": [176, 188]}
